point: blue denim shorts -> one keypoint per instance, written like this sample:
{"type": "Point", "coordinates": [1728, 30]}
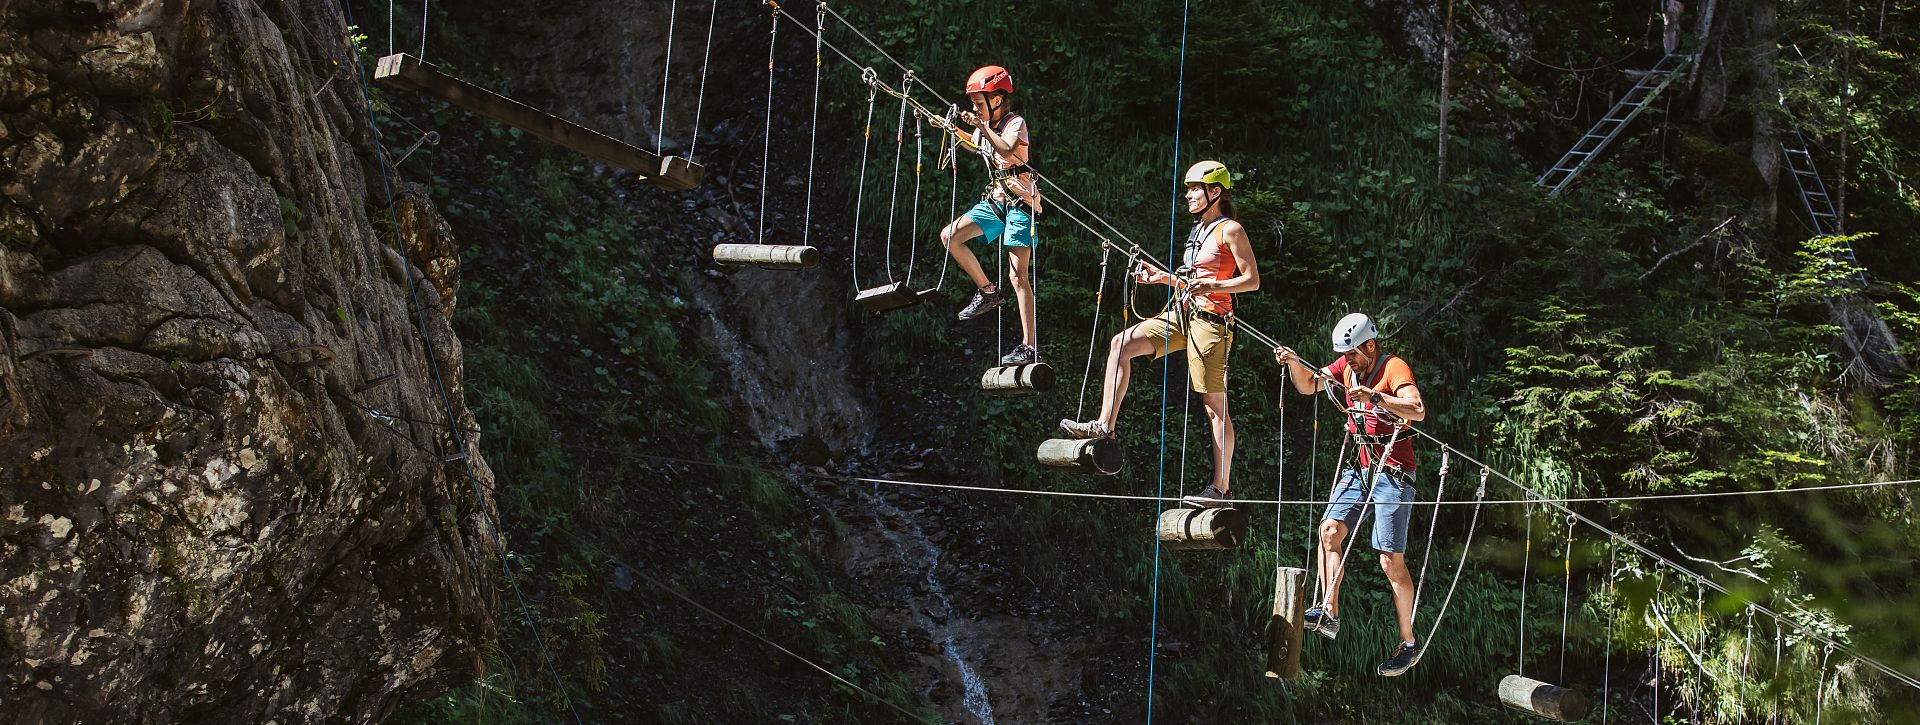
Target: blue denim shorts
{"type": "Point", "coordinates": [1390, 518]}
{"type": "Point", "coordinates": [1021, 233]}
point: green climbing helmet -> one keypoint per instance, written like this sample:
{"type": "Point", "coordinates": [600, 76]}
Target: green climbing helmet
{"type": "Point", "coordinates": [1210, 172]}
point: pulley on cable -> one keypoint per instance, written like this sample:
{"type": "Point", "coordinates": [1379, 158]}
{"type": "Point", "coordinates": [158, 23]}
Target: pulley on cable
{"type": "Point", "coordinates": [762, 254]}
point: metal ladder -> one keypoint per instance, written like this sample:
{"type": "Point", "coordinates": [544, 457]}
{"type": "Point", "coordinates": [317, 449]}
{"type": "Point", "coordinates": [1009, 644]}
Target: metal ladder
{"type": "Point", "coordinates": [1813, 195]}
{"type": "Point", "coordinates": [1623, 112]}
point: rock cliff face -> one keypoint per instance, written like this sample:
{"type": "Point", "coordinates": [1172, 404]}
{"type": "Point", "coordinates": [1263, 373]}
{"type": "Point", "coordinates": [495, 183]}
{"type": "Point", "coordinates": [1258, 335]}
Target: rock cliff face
{"type": "Point", "coordinates": [223, 487]}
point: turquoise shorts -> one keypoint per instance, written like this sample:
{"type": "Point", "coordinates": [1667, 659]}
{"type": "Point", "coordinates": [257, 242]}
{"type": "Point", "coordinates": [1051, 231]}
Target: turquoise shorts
{"type": "Point", "coordinates": [1391, 515]}
{"type": "Point", "coordinates": [983, 215]}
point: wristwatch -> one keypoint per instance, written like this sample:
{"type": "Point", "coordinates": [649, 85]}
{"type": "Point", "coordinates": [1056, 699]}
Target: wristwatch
{"type": "Point", "coordinates": [1376, 398]}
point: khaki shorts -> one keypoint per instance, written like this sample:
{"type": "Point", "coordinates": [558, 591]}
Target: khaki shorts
{"type": "Point", "coordinates": [1205, 341]}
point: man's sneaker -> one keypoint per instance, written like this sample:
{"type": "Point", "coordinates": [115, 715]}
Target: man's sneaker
{"type": "Point", "coordinates": [1403, 659]}
{"type": "Point", "coordinates": [1021, 355]}
{"type": "Point", "coordinates": [1209, 497]}
{"type": "Point", "coordinates": [1318, 620]}
{"type": "Point", "coordinates": [1089, 429]}
{"type": "Point", "coordinates": [982, 302]}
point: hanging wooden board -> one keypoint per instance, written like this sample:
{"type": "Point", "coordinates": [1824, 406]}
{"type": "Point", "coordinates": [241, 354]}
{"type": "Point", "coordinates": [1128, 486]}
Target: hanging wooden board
{"type": "Point", "coordinates": [1534, 697]}
{"type": "Point", "coordinates": [887, 298]}
{"type": "Point", "coordinates": [1288, 625]}
{"type": "Point", "coordinates": [1082, 455]}
{"type": "Point", "coordinates": [1202, 529]}
{"type": "Point", "coordinates": [768, 256]}
{"type": "Point", "coordinates": [405, 71]}
{"type": "Point", "coordinates": [1015, 380]}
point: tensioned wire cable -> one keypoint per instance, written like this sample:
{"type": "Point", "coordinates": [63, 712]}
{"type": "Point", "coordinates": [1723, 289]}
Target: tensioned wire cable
{"type": "Point", "coordinates": [1153, 623]}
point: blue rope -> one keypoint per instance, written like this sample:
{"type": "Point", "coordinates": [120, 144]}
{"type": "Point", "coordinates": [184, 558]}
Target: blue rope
{"type": "Point", "coordinates": [446, 400]}
{"type": "Point", "coordinates": [1173, 244]}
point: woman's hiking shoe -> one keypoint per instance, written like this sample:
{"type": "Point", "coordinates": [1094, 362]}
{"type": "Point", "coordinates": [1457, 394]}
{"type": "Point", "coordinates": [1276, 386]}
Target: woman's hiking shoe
{"type": "Point", "coordinates": [982, 302]}
{"type": "Point", "coordinates": [1022, 355]}
{"type": "Point", "coordinates": [1403, 659]}
{"type": "Point", "coordinates": [1089, 429]}
{"type": "Point", "coordinates": [1209, 497]}
{"type": "Point", "coordinates": [1318, 620]}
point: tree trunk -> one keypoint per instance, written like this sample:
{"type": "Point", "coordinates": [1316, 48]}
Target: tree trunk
{"type": "Point", "coordinates": [1766, 120]}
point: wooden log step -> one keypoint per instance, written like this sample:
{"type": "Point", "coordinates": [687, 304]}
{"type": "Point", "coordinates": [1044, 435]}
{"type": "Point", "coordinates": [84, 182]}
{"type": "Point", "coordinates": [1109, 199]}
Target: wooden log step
{"type": "Point", "coordinates": [1202, 529]}
{"type": "Point", "coordinates": [767, 256]}
{"type": "Point", "coordinates": [1288, 626]}
{"type": "Point", "coordinates": [405, 71]}
{"type": "Point", "coordinates": [1534, 697]}
{"type": "Point", "coordinates": [1014, 380]}
{"type": "Point", "coordinates": [1083, 455]}
{"type": "Point", "coordinates": [887, 298]}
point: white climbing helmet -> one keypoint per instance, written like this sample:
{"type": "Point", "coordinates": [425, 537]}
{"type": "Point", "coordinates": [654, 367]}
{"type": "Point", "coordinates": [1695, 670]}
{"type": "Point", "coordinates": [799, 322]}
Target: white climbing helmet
{"type": "Point", "coordinates": [1353, 331]}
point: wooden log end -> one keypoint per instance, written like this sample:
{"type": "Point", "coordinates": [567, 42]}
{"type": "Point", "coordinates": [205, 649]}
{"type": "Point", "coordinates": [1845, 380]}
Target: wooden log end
{"type": "Point", "coordinates": [1534, 697]}
{"type": "Point", "coordinates": [766, 256]}
{"type": "Point", "coordinates": [1100, 456]}
{"type": "Point", "coordinates": [1202, 529]}
{"type": "Point", "coordinates": [1015, 380]}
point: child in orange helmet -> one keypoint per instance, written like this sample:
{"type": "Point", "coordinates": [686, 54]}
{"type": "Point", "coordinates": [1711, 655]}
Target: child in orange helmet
{"type": "Point", "coordinates": [1005, 213]}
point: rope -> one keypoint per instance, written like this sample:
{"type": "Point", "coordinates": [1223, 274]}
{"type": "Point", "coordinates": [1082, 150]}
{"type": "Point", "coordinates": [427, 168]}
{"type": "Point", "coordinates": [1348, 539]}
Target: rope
{"type": "Point", "coordinates": [953, 212]}
{"type": "Point", "coordinates": [1179, 99]}
{"type": "Point", "coordinates": [700, 99]}
{"type": "Point", "coordinates": [1280, 484]}
{"type": "Point", "coordinates": [446, 402]}
{"type": "Point", "coordinates": [1746, 648]}
{"type": "Point", "coordinates": [1313, 472]}
{"type": "Point", "coordinates": [1606, 667]}
{"type": "Point", "coordinates": [423, 30]}
{"type": "Point", "coordinates": [666, 73]}
{"type": "Point", "coordinates": [1526, 567]}
{"type": "Point", "coordinates": [1820, 690]}
{"type": "Point", "coordinates": [1093, 338]}
{"type": "Point", "coordinates": [893, 192]}
{"type": "Point", "coordinates": [1700, 643]}
{"type": "Point", "coordinates": [1458, 569]}
{"type": "Point", "coordinates": [813, 129]}
{"type": "Point", "coordinates": [1339, 464]}
{"type": "Point", "coordinates": [913, 228]}
{"type": "Point", "coordinates": [1566, 597]}
{"type": "Point", "coordinates": [1433, 522]}
{"type": "Point", "coordinates": [860, 193]}
{"type": "Point", "coordinates": [766, 135]}
{"type": "Point", "coordinates": [1777, 637]}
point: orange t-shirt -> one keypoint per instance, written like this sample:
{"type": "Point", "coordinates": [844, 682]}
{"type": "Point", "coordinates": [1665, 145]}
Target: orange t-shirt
{"type": "Point", "coordinates": [1388, 376]}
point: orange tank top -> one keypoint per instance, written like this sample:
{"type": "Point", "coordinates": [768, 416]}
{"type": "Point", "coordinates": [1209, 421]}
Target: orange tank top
{"type": "Point", "coordinates": [1206, 258]}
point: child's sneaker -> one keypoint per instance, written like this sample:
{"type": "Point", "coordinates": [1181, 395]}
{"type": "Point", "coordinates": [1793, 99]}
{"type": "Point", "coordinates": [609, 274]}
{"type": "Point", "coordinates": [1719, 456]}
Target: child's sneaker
{"type": "Point", "coordinates": [982, 302]}
{"type": "Point", "coordinates": [1318, 620]}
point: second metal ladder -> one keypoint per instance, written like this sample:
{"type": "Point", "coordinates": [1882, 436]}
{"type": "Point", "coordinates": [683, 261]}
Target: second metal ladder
{"type": "Point", "coordinates": [1623, 112]}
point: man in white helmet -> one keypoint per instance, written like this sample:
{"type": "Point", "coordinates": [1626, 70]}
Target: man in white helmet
{"type": "Point", "coordinates": [1381, 396]}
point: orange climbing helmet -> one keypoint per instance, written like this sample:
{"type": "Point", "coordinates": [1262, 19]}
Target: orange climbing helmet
{"type": "Point", "coordinates": [990, 78]}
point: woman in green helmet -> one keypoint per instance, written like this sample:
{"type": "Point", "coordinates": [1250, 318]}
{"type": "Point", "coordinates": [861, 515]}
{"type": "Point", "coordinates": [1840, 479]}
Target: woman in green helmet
{"type": "Point", "coordinates": [1217, 264]}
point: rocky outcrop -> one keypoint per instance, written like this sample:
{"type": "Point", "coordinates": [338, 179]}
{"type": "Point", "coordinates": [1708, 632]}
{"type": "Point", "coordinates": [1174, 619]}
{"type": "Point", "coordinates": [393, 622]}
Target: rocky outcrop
{"type": "Point", "coordinates": [223, 487]}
